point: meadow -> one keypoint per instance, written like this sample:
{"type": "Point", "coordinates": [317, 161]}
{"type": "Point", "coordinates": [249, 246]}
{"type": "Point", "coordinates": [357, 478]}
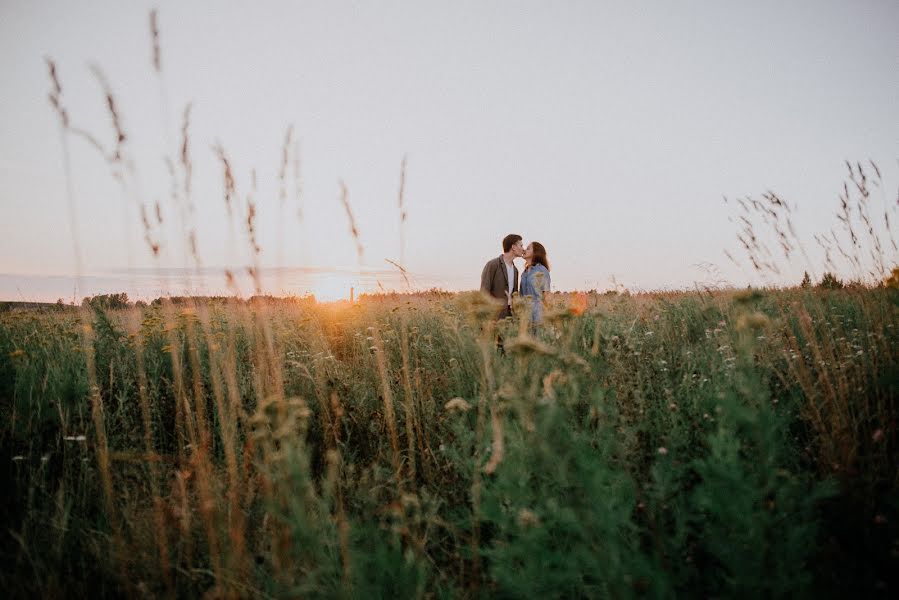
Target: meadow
{"type": "Point", "coordinates": [713, 443]}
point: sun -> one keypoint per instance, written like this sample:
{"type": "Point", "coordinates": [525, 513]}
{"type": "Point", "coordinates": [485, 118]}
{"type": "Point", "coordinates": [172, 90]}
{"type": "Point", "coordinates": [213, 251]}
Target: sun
{"type": "Point", "coordinates": [331, 287]}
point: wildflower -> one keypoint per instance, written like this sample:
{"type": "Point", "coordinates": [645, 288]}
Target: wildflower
{"type": "Point", "coordinates": [663, 450]}
{"type": "Point", "coordinates": [578, 304]}
{"type": "Point", "coordinates": [878, 435]}
{"type": "Point", "coordinates": [478, 305]}
{"type": "Point", "coordinates": [549, 382]}
{"type": "Point", "coordinates": [527, 518]}
{"type": "Point", "coordinates": [457, 404]}
{"type": "Point", "coordinates": [528, 344]}
{"type": "Point", "coordinates": [74, 438]}
{"type": "Point", "coordinates": [18, 458]}
{"type": "Point", "coordinates": [507, 392]}
{"type": "Point", "coordinates": [880, 519]}
{"type": "Point", "coordinates": [16, 353]}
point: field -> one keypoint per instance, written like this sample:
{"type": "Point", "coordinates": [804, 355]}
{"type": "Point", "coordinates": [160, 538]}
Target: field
{"type": "Point", "coordinates": [717, 443]}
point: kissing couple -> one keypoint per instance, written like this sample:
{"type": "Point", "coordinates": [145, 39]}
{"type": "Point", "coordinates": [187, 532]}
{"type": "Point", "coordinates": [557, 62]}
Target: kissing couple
{"type": "Point", "coordinates": [500, 276]}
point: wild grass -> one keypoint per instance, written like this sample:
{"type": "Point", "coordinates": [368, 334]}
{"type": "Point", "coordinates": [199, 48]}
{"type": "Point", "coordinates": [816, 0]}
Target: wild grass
{"type": "Point", "coordinates": [710, 444]}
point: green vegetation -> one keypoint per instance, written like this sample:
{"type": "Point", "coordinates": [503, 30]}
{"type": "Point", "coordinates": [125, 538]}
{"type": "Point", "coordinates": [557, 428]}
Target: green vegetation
{"type": "Point", "coordinates": [707, 444]}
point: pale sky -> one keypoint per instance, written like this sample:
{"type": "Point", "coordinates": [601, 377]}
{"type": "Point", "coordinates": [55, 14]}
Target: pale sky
{"type": "Point", "coordinates": [608, 131]}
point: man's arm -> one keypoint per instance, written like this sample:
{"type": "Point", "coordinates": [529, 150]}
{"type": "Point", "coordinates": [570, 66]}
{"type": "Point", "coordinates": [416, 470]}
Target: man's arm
{"type": "Point", "coordinates": [487, 277]}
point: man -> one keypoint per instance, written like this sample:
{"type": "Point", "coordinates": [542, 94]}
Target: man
{"type": "Point", "coordinates": [500, 275]}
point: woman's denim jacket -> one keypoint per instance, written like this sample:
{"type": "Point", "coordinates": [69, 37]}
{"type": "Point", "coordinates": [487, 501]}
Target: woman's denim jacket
{"type": "Point", "coordinates": [534, 282]}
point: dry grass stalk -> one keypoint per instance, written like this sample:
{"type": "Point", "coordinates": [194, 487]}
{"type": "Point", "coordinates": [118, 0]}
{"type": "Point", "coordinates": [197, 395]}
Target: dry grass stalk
{"type": "Point", "coordinates": [282, 199]}
{"type": "Point", "coordinates": [488, 385]}
{"type": "Point", "coordinates": [335, 462]}
{"type": "Point", "coordinates": [201, 455]}
{"type": "Point", "coordinates": [401, 201]}
{"type": "Point", "coordinates": [408, 398]}
{"type": "Point", "coordinates": [285, 162]}
{"type": "Point", "coordinates": [227, 177]}
{"type": "Point", "coordinates": [144, 399]}
{"type": "Point", "coordinates": [402, 271]}
{"type": "Point", "coordinates": [297, 180]}
{"type": "Point", "coordinates": [387, 396]}
{"type": "Point", "coordinates": [498, 446]}
{"type": "Point", "coordinates": [186, 163]}
{"type": "Point", "coordinates": [55, 95]}
{"type": "Point", "coordinates": [250, 223]}
{"type": "Point", "coordinates": [424, 396]}
{"type": "Point", "coordinates": [345, 200]}
{"type": "Point", "coordinates": [148, 238]}
{"type": "Point", "coordinates": [154, 37]}
{"type": "Point", "coordinates": [56, 101]}
{"type": "Point", "coordinates": [116, 155]}
{"type": "Point", "coordinates": [99, 421]}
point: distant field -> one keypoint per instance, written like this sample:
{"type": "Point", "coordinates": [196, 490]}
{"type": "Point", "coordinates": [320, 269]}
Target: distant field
{"type": "Point", "coordinates": [702, 444]}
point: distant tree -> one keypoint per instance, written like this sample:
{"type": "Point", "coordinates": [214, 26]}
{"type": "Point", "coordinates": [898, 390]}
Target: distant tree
{"type": "Point", "coordinates": [829, 281]}
{"type": "Point", "coordinates": [140, 304]}
{"type": "Point", "coordinates": [806, 281]}
{"type": "Point", "coordinates": [107, 301]}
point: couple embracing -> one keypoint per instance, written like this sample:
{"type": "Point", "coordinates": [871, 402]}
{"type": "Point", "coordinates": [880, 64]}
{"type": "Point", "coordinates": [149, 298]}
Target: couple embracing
{"type": "Point", "coordinates": [500, 276]}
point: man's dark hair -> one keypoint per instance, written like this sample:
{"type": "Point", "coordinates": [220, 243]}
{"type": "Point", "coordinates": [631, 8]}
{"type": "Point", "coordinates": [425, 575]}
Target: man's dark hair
{"type": "Point", "coordinates": [510, 240]}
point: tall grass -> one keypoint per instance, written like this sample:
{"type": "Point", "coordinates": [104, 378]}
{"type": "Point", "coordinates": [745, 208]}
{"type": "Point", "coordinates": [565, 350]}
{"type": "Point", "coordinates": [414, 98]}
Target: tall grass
{"type": "Point", "coordinates": [702, 444]}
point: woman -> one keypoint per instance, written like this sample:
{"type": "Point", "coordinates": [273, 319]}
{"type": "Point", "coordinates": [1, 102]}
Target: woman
{"type": "Point", "coordinates": [535, 281]}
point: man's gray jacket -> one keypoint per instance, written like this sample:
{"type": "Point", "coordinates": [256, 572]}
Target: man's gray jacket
{"type": "Point", "coordinates": [495, 281]}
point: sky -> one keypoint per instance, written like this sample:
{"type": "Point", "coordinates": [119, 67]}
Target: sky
{"type": "Point", "coordinates": [608, 131]}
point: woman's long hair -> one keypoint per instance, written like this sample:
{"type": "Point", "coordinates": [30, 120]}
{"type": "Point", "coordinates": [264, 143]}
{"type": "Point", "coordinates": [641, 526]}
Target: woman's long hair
{"type": "Point", "coordinates": [539, 255]}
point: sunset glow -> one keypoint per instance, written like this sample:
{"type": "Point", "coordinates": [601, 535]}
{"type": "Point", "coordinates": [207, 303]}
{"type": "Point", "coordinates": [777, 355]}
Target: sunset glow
{"type": "Point", "coordinates": [612, 142]}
